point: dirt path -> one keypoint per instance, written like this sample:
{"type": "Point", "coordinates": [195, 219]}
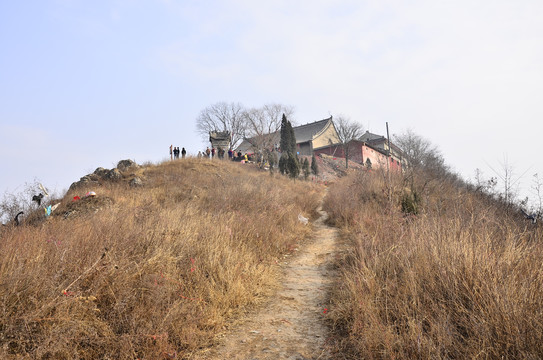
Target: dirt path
{"type": "Point", "coordinates": [291, 325]}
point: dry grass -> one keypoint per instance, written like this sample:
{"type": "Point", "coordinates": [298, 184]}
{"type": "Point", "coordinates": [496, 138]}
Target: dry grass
{"type": "Point", "coordinates": [151, 271]}
{"type": "Point", "coordinates": [463, 279]}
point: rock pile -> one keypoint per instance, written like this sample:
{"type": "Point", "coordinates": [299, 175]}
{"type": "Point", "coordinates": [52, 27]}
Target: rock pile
{"type": "Point", "coordinates": [116, 174]}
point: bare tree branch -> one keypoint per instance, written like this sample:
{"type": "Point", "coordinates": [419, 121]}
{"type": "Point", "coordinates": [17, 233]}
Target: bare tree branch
{"type": "Point", "coordinates": [347, 131]}
{"type": "Point", "coordinates": [264, 121]}
{"type": "Point", "coordinates": [222, 116]}
{"type": "Point", "coordinates": [420, 153]}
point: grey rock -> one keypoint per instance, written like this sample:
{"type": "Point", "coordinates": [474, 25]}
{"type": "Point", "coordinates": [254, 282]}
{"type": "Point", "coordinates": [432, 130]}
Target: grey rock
{"type": "Point", "coordinates": [114, 174]}
{"type": "Point", "coordinates": [84, 181]}
{"type": "Point", "coordinates": [125, 164]}
{"type": "Point", "coordinates": [136, 182]}
{"type": "Point", "coordinates": [101, 172]}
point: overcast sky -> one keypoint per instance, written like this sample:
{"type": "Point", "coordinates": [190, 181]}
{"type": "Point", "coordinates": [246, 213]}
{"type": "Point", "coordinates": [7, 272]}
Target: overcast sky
{"type": "Point", "coordinates": [84, 84]}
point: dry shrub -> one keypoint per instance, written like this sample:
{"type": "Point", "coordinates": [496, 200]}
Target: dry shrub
{"type": "Point", "coordinates": [463, 279]}
{"type": "Point", "coordinates": [150, 271]}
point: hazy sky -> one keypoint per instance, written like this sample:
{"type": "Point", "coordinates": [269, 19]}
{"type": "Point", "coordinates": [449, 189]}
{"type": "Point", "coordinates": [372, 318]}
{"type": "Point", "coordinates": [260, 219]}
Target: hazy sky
{"type": "Point", "coordinates": [84, 84]}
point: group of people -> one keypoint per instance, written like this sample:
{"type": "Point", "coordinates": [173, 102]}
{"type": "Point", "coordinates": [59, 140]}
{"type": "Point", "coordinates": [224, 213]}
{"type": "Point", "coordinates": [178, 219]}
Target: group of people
{"type": "Point", "coordinates": [174, 152]}
{"type": "Point", "coordinates": [211, 153]}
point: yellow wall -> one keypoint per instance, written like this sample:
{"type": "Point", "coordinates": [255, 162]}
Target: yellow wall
{"type": "Point", "coordinates": [324, 138]}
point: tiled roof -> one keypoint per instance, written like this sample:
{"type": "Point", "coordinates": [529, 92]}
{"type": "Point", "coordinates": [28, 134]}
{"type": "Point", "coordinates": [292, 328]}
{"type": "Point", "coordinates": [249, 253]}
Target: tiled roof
{"type": "Point", "coordinates": [369, 137]}
{"type": "Point", "coordinates": [375, 140]}
{"type": "Point", "coordinates": [219, 135]}
{"type": "Point", "coordinates": [303, 133]}
{"type": "Point", "coordinates": [306, 132]}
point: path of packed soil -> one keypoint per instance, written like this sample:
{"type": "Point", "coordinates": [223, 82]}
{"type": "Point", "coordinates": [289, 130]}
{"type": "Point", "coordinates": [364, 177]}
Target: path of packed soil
{"type": "Point", "coordinates": [291, 325]}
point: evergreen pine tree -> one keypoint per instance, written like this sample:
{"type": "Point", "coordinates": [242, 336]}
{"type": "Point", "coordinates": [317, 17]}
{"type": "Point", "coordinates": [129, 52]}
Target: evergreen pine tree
{"type": "Point", "coordinates": [292, 139]}
{"type": "Point", "coordinates": [314, 166]}
{"type": "Point", "coordinates": [285, 136]}
{"type": "Point", "coordinates": [293, 166]}
{"type": "Point", "coordinates": [288, 163]}
{"type": "Point", "coordinates": [305, 168]}
{"type": "Point", "coordinates": [283, 160]}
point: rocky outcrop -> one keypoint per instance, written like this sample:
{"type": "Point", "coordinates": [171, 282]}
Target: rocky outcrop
{"type": "Point", "coordinates": [90, 179]}
{"type": "Point", "coordinates": [136, 182]}
{"type": "Point", "coordinates": [114, 174]}
{"type": "Point", "coordinates": [100, 175]}
{"type": "Point", "coordinates": [101, 172]}
{"type": "Point", "coordinates": [123, 165]}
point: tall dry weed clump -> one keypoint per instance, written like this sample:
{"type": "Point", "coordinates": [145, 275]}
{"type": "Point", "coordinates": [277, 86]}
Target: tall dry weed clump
{"type": "Point", "coordinates": [462, 279]}
{"type": "Point", "coordinates": [147, 272]}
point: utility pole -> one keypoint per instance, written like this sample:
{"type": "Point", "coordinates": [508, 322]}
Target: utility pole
{"type": "Point", "coordinates": [388, 168]}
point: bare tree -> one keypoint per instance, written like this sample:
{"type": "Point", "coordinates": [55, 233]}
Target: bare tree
{"type": "Point", "coordinates": [347, 131]}
{"type": "Point", "coordinates": [262, 123]}
{"type": "Point", "coordinates": [420, 153]}
{"type": "Point", "coordinates": [223, 116]}
{"type": "Point", "coordinates": [486, 186]}
{"type": "Point", "coordinates": [422, 162]}
{"type": "Point", "coordinates": [509, 179]}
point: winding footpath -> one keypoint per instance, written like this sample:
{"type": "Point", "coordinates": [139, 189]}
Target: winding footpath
{"type": "Point", "coordinates": [291, 326]}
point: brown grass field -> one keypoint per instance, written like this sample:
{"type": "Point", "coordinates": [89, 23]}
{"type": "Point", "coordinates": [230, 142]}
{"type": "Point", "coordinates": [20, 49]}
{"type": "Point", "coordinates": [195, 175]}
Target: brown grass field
{"type": "Point", "coordinates": [151, 272]}
{"type": "Point", "coordinates": [156, 272]}
{"type": "Point", "coordinates": [463, 279]}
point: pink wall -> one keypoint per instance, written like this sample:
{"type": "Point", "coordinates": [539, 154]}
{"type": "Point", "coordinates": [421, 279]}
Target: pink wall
{"type": "Point", "coordinates": [360, 152]}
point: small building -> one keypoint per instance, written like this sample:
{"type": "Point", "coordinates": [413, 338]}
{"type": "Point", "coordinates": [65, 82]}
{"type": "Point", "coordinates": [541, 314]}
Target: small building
{"type": "Point", "coordinates": [315, 135]}
{"type": "Point", "coordinates": [363, 153]}
{"type": "Point", "coordinates": [380, 142]}
{"type": "Point", "coordinates": [220, 139]}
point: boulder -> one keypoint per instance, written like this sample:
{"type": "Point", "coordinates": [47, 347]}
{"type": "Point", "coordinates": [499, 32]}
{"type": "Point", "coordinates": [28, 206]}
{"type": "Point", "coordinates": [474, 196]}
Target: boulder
{"type": "Point", "coordinates": [85, 180]}
{"type": "Point", "coordinates": [101, 172]}
{"type": "Point", "coordinates": [136, 182]}
{"type": "Point", "coordinates": [125, 164]}
{"type": "Point", "coordinates": [114, 174]}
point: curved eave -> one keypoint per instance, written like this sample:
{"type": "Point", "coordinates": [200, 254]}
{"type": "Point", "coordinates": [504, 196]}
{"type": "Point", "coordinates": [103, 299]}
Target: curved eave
{"type": "Point", "coordinates": [324, 128]}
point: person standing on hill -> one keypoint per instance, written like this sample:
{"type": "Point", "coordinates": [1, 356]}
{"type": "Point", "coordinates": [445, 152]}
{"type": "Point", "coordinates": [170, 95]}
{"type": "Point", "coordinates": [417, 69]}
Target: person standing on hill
{"type": "Point", "coordinates": [208, 152]}
{"type": "Point", "coordinates": [171, 152]}
{"type": "Point", "coordinates": [183, 153]}
{"type": "Point", "coordinates": [212, 153]}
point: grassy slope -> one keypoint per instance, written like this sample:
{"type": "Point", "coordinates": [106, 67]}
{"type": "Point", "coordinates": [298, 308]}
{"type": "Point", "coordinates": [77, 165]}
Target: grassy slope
{"type": "Point", "coordinates": [463, 279]}
{"type": "Point", "coordinates": [142, 272]}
